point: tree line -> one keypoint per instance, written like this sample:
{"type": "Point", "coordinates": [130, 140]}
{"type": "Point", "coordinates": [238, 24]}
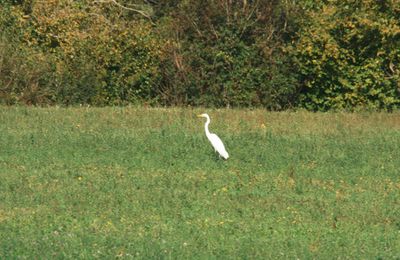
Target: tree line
{"type": "Point", "coordinates": [277, 54]}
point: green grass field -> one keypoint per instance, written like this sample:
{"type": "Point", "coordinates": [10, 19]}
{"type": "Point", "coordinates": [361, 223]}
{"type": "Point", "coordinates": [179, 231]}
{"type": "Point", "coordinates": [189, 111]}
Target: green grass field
{"type": "Point", "coordinates": [145, 183]}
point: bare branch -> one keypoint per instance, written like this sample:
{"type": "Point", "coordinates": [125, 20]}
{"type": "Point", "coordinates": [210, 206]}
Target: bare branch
{"type": "Point", "coordinates": [141, 12]}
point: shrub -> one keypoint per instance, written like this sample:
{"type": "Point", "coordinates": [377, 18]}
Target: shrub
{"type": "Point", "coordinates": [319, 55]}
{"type": "Point", "coordinates": [348, 54]}
{"type": "Point", "coordinates": [24, 72]}
{"type": "Point", "coordinates": [87, 58]}
{"type": "Point", "coordinates": [228, 54]}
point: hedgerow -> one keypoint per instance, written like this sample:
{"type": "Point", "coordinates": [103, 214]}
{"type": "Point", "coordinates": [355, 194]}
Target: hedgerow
{"type": "Point", "coordinates": [274, 54]}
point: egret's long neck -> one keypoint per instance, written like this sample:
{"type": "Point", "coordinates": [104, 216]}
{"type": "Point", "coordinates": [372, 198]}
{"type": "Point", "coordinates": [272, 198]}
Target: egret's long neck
{"type": "Point", "coordinates": [206, 126]}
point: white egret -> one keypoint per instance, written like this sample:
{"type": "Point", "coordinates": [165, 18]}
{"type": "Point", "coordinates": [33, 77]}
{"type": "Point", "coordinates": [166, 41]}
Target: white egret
{"type": "Point", "coordinates": [214, 139]}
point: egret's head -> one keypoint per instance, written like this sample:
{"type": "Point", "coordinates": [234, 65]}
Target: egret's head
{"type": "Point", "coordinates": [203, 115]}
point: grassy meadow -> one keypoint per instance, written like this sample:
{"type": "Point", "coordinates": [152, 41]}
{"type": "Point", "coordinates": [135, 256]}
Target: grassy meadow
{"type": "Point", "coordinates": [145, 183]}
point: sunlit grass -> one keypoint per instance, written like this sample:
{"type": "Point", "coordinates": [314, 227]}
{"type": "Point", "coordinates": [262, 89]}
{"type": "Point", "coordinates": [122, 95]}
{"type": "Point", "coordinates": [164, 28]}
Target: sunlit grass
{"type": "Point", "coordinates": [144, 182]}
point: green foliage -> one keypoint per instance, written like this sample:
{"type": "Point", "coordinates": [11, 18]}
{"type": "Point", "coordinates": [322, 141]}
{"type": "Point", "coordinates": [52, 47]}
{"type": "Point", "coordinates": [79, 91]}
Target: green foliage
{"type": "Point", "coordinates": [92, 60]}
{"type": "Point", "coordinates": [274, 54]}
{"type": "Point", "coordinates": [25, 73]}
{"type": "Point", "coordinates": [125, 63]}
{"type": "Point", "coordinates": [348, 56]}
{"type": "Point", "coordinates": [224, 58]}
{"type": "Point", "coordinates": [145, 183]}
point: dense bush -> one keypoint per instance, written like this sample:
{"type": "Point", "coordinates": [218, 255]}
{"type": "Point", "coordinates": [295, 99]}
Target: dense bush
{"type": "Point", "coordinates": [348, 54]}
{"type": "Point", "coordinates": [269, 53]}
{"type": "Point", "coordinates": [93, 59]}
{"type": "Point", "coordinates": [229, 54]}
{"type": "Point", "coordinates": [25, 72]}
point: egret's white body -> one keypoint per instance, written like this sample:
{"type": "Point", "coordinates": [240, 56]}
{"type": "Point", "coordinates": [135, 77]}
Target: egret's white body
{"type": "Point", "coordinates": [214, 139]}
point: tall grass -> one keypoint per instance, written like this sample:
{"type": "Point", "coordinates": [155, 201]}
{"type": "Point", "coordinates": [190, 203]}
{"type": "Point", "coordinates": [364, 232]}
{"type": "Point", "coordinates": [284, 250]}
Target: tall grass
{"type": "Point", "coordinates": [145, 183]}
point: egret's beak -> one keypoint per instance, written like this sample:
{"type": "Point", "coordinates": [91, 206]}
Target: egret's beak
{"type": "Point", "coordinates": [199, 115]}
